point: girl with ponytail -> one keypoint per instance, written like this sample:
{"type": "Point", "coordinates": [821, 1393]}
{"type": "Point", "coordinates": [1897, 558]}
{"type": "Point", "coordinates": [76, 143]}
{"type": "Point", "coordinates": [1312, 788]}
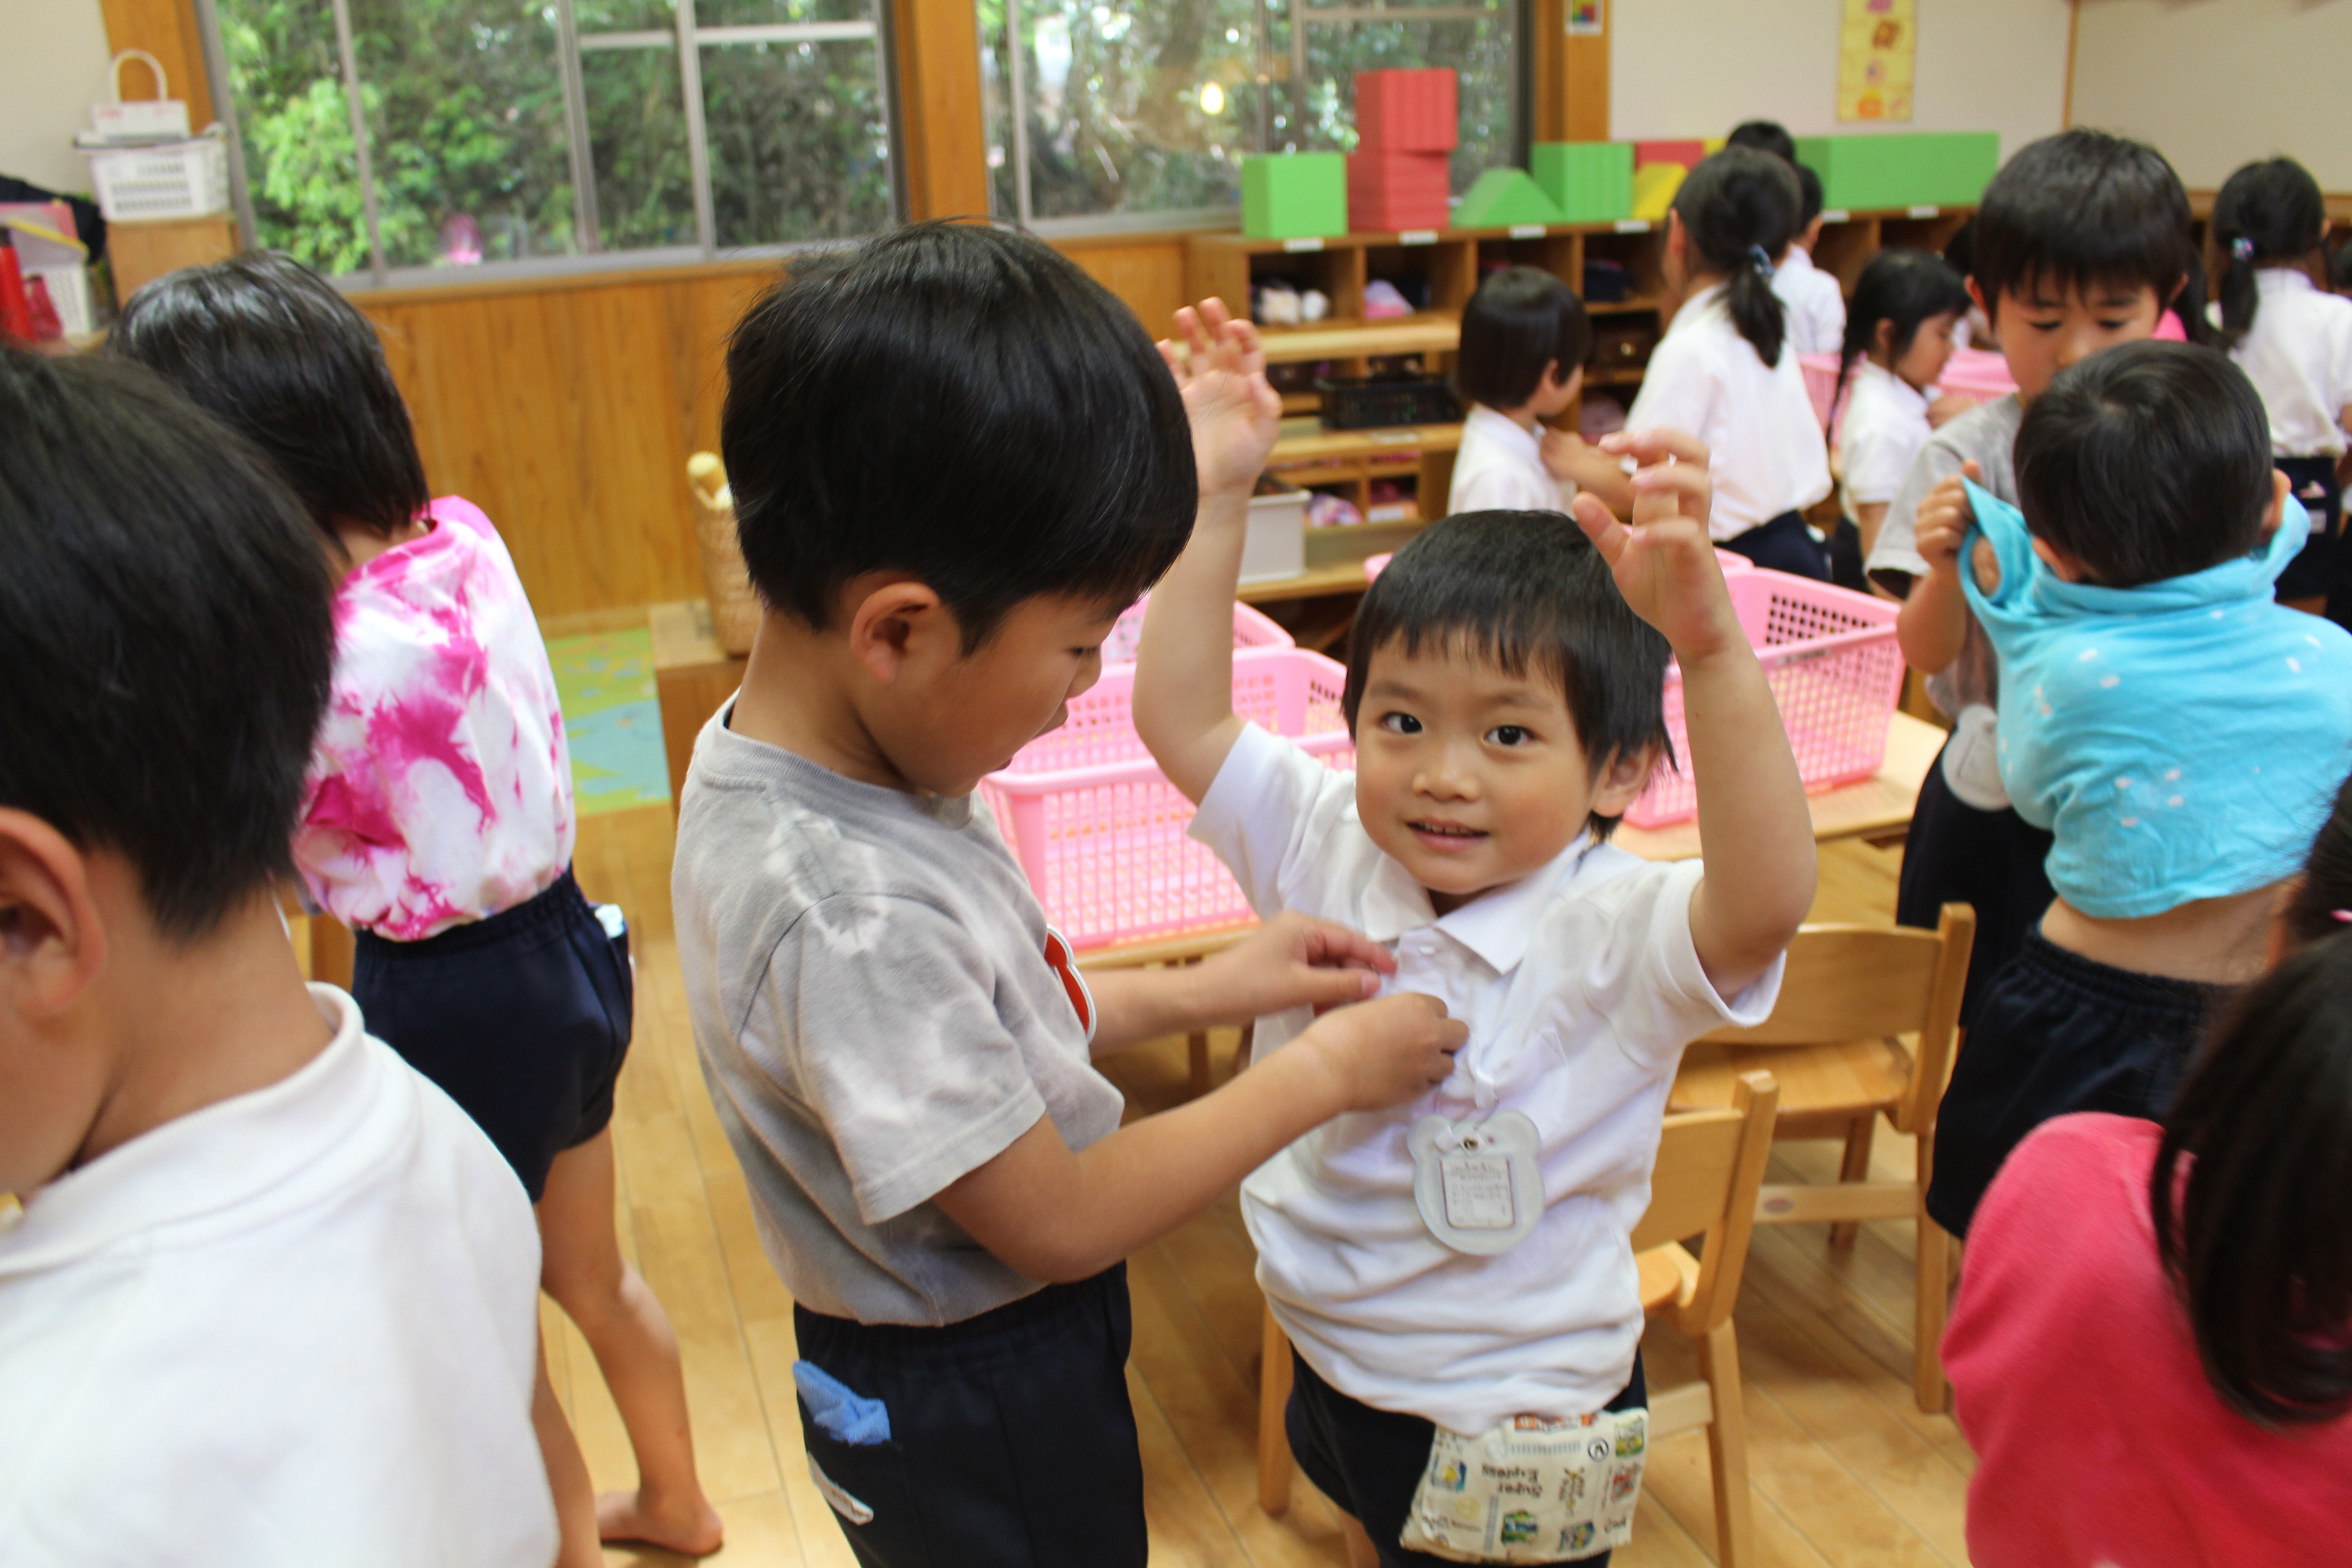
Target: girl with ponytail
{"type": "Point", "coordinates": [1725, 372]}
{"type": "Point", "coordinates": [2293, 340]}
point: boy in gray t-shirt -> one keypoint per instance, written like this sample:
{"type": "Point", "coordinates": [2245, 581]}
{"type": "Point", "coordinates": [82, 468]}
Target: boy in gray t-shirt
{"type": "Point", "coordinates": [2081, 243]}
{"type": "Point", "coordinates": [955, 460]}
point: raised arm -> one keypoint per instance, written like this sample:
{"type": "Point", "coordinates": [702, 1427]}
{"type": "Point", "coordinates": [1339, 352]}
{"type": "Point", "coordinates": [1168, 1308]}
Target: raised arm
{"type": "Point", "coordinates": [1184, 667]}
{"type": "Point", "coordinates": [1756, 834]}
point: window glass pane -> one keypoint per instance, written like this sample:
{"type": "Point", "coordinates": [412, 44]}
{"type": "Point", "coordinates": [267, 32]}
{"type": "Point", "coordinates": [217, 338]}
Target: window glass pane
{"type": "Point", "coordinates": [996, 111]}
{"type": "Point", "coordinates": [465, 128]}
{"type": "Point", "coordinates": [1478, 47]}
{"type": "Point", "coordinates": [637, 141]}
{"type": "Point", "coordinates": [1133, 107]}
{"type": "Point", "coordinates": [296, 127]}
{"type": "Point", "coordinates": [760, 13]}
{"type": "Point", "coordinates": [799, 144]}
{"type": "Point", "coordinates": [593, 17]}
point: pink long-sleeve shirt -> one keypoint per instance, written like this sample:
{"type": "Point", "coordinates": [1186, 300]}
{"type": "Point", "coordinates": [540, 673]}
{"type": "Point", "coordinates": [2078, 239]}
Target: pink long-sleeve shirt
{"type": "Point", "coordinates": [440, 787]}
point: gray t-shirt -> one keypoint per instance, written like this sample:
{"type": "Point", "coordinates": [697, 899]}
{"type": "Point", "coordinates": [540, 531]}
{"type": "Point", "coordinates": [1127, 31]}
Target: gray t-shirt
{"type": "Point", "coordinates": [1988, 435]}
{"type": "Point", "coordinates": [876, 1015]}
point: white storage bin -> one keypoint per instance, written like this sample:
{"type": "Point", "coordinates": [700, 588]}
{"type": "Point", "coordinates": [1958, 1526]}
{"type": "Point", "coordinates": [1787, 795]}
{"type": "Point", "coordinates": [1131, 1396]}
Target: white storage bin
{"type": "Point", "coordinates": [169, 179]}
{"type": "Point", "coordinates": [1277, 545]}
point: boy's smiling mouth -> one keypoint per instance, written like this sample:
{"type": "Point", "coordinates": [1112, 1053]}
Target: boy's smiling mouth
{"type": "Point", "coordinates": [1445, 838]}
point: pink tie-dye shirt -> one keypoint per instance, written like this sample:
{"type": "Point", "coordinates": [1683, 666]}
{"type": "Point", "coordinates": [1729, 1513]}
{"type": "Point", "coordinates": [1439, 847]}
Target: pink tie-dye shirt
{"type": "Point", "coordinates": [440, 788]}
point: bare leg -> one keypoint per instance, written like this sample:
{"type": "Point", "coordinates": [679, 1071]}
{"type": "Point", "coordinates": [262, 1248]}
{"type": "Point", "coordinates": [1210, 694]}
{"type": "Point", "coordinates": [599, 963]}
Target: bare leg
{"type": "Point", "coordinates": [1361, 1553]}
{"type": "Point", "coordinates": [567, 1475]}
{"type": "Point", "coordinates": [635, 1349]}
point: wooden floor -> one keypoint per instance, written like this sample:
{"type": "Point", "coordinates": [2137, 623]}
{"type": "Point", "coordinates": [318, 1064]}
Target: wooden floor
{"type": "Point", "coordinates": [1845, 1469]}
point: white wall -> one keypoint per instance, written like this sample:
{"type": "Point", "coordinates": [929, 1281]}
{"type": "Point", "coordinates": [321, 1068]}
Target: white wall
{"type": "Point", "coordinates": [52, 66]}
{"type": "Point", "coordinates": [2218, 83]}
{"type": "Point", "coordinates": [1697, 67]}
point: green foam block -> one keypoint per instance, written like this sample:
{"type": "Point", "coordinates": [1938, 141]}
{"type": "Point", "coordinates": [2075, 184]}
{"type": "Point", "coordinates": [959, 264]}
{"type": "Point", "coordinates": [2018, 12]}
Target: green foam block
{"type": "Point", "coordinates": [1902, 169]}
{"type": "Point", "coordinates": [1293, 195]}
{"type": "Point", "coordinates": [1503, 197]}
{"type": "Point", "coordinates": [1588, 182]}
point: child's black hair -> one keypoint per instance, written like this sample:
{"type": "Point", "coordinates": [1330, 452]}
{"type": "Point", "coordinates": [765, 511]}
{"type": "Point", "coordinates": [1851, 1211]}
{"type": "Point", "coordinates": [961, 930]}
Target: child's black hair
{"type": "Point", "coordinates": [1521, 320]}
{"type": "Point", "coordinates": [2077, 210]}
{"type": "Point", "coordinates": [2251, 1193]}
{"type": "Point", "coordinates": [1526, 591]}
{"type": "Point", "coordinates": [1738, 209]}
{"type": "Point", "coordinates": [2145, 461]}
{"type": "Point", "coordinates": [1764, 136]}
{"type": "Point", "coordinates": [2268, 214]}
{"type": "Point", "coordinates": [961, 404]}
{"type": "Point", "coordinates": [1906, 286]}
{"type": "Point", "coordinates": [269, 347]}
{"type": "Point", "coordinates": [165, 640]}
{"type": "Point", "coordinates": [2339, 268]}
{"type": "Point", "coordinates": [2323, 893]}
{"type": "Point", "coordinates": [1809, 197]}
{"type": "Point", "coordinates": [1960, 250]}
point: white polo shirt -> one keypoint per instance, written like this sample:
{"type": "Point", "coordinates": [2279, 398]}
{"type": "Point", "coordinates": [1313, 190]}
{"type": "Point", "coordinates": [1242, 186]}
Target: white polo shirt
{"type": "Point", "coordinates": [1885, 428]}
{"type": "Point", "coordinates": [1816, 304]}
{"type": "Point", "coordinates": [1580, 986]}
{"type": "Point", "coordinates": [294, 1328]}
{"type": "Point", "coordinates": [2298, 354]}
{"type": "Point", "coordinates": [1769, 455]}
{"type": "Point", "coordinates": [1500, 468]}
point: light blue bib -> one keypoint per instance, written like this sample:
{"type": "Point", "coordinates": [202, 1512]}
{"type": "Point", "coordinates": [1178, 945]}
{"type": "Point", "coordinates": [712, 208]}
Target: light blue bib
{"type": "Point", "coordinates": [2181, 739]}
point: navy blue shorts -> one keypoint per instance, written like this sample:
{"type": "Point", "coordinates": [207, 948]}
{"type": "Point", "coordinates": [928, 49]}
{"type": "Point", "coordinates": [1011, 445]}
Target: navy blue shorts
{"type": "Point", "coordinates": [522, 1018]}
{"type": "Point", "coordinates": [1784, 545]}
{"type": "Point", "coordinates": [1992, 862]}
{"type": "Point", "coordinates": [2058, 1033]}
{"type": "Point", "coordinates": [1011, 1440]}
{"type": "Point", "coordinates": [2315, 571]}
{"type": "Point", "coordinates": [1370, 1461]}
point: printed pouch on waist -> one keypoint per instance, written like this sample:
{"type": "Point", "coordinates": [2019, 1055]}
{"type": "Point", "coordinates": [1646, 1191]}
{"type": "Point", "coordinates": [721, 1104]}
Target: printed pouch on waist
{"type": "Point", "coordinates": [1533, 1490]}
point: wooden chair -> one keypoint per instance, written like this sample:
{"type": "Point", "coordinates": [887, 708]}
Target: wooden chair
{"type": "Point", "coordinates": [1830, 1042]}
{"type": "Point", "coordinates": [1710, 1166]}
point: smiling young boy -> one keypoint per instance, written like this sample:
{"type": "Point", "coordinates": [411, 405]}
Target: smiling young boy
{"type": "Point", "coordinates": [1506, 697]}
{"type": "Point", "coordinates": [955, 460]}
{"type": "Point", "coordinates": [2082, 242]}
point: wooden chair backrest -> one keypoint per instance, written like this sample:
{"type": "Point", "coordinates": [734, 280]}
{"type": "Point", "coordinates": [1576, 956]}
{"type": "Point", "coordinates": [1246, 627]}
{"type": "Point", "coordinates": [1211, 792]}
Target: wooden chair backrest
{"type": "Point", "coordinates": [1859, 982]}
{"type": "Point", "coordinates": [1710, 1164]}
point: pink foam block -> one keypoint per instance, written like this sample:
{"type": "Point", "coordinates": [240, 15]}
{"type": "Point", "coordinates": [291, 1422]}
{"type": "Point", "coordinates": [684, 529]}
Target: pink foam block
{"type": "Point", "coordinates": [1684, 154]}
{"type": "Point", "coordinates": [1407, 110]}
{"type": "Point", "coordinates": [1389, 191]}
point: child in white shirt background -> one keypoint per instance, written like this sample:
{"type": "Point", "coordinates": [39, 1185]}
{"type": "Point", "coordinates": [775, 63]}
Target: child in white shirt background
{"type": "Point", "coordinates": [1525, 339]}
{"type": "Point", "coordinates": [1725, 370]}
{"type": "Point", "coordinates": [1505, 696]}
{"type": "Point", "coordinates": [2294, 340]}
{"type": "Point", "coordinates": [1898, 340]}
{"type": "Point", "coordinates": [1815, 302]}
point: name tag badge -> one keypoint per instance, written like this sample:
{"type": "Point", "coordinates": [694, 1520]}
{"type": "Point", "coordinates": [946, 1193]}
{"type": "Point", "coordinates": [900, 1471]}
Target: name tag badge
{"type": "Point", "coordinates": [1476, 1181]}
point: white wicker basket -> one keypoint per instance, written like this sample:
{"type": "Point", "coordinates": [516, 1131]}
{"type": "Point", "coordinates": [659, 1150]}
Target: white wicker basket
{"type": "Point", "coordinates": [170, 179]}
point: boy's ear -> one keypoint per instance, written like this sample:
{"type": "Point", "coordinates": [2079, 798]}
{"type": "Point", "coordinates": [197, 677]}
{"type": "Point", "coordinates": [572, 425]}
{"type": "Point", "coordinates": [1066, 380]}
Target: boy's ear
{"type": "Point", "coordinates": [1976, 292]}
{"type": "Point", "coordinates": [2275, 513]}
{"type": "Point", "coordinates": [1619, 783]}
{"type": "Point", "coordinates": [1881, 338]}
{"type": "Point", "coordinates": [893, 620]}
{"type": "Point", "coordinates": [52, 941]}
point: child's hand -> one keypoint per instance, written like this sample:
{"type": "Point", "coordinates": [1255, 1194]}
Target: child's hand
{"type": "Point", "coordinates": [1941, 526]}
{"type": "Point", "coordinates": [1664, 561]}
{"type": "Point", "coordinates": [1386, 1053]}
{"type": "Point", "coordinates": [1235, 414]}
{"type": "Point", "coordinates": [1948, 407]}
{"type": "Point", "coordinates": [1292, 961]}
{"type": "Point", "coordinates": [1563, 449]}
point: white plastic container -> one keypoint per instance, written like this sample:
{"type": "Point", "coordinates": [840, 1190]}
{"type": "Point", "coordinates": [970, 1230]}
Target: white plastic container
{"type": "Point", "coordinates": [159, 119]}
{"type": "Point", "coordinates": [167, 180]}
{"type": "Point", "coordinates": [1276, 545]}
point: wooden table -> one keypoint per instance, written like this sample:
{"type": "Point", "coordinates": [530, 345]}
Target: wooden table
{"type": "Point", "coordinates": [1878, 806]}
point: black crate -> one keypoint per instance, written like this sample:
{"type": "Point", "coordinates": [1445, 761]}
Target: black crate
{"type": "Point", "coordinates": [1368, 402]}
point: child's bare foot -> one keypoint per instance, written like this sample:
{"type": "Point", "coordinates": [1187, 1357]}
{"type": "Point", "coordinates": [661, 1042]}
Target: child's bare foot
{"type": "Point", "coordinates": [694, 1530]}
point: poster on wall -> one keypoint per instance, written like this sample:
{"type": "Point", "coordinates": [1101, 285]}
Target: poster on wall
{"type": "Point", "coordinates": [1584, 18]}
{"type": "Point", "coordinates": [1877, 49]}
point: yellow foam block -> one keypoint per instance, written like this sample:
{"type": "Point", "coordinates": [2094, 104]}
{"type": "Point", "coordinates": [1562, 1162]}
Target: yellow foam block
{"type": "Point", "coordinates": [1654, 188]}
{"type": "Point", "coordinates": [1714, 144]}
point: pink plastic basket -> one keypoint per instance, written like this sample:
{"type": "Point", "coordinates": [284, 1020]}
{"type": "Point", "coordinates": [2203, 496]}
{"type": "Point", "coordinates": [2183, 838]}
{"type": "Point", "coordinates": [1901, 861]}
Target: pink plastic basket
{"type": "Point", "coordinates": [1100, 830]}
{"type": "Point", "coordinates": [1832, 661]}
{"type": "Point", "coordinates": [1979, 375]}
{"type": "Point", "coordinates": [1251, 630]}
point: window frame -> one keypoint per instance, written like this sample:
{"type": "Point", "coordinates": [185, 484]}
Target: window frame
{"type": "Point", "coordinates": [688, 39]}
{"type": "Point", "coordinates": [1521, 13]}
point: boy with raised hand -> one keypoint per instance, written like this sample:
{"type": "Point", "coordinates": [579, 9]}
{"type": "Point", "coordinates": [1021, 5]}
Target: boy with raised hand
{"type": "Point", "coordinates": [272, 1298]}
{"type": "Point", "coordinates": [955, 460]}
{"type": "Point", "coordinates": [1456, 1272]}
